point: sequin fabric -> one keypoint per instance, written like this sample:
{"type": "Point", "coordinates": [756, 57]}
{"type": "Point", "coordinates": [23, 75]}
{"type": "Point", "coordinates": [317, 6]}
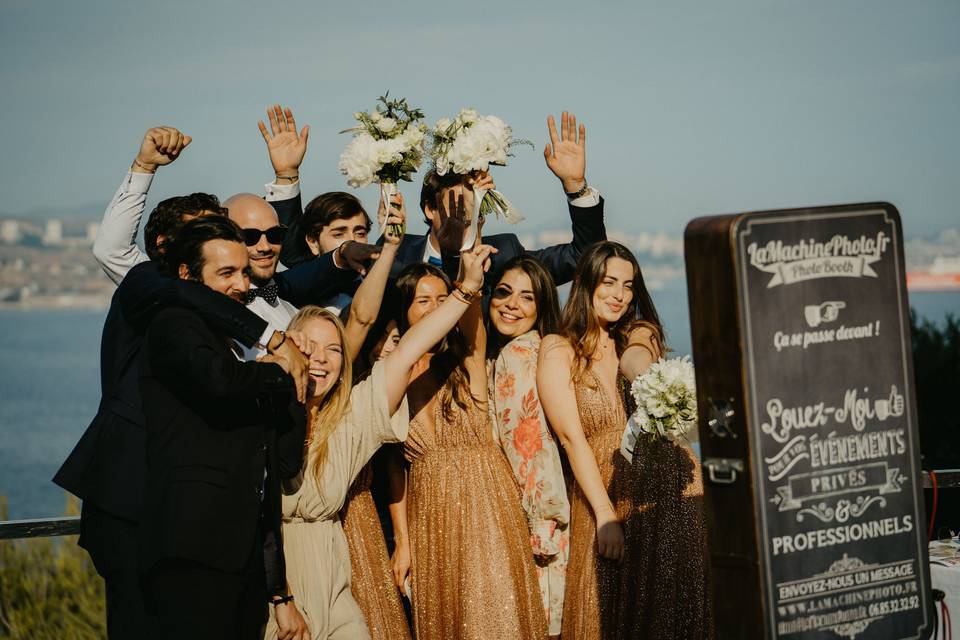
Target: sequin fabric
{"type": "Point", "coordinates": [659, 590]}
{"type": "Point", "coordinates": [371, 579]}
{"type": "Point", "coordinates": [472, 574]}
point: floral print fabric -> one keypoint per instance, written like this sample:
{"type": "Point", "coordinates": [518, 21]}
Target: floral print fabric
{"type": "Point", "coordinates": [528, 443]}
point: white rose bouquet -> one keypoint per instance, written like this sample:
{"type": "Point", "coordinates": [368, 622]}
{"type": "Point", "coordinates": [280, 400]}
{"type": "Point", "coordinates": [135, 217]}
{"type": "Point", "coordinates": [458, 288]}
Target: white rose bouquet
{"type": "Point", "coordinates": [387, 146]}
{"type": "Point", "coordinates": [666, 397]}
{"type": "Point", "coordinates": [471, 142]}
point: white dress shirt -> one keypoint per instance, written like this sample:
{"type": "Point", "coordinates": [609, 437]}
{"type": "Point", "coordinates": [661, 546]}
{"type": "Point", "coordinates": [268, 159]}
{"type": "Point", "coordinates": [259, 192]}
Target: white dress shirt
{"type": "Point", "coordinates": [278, 316]}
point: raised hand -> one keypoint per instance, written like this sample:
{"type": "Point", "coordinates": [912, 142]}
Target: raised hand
{"type": "Point", "coordinates": [481, 180]}
{"type": "Point", "coordinates": [453, 224]}
{"type": "Point", "coordinates": [292, 361]}
{"type": "Point", "coordinates": [474, 263]}
{"type": "Point", "coordinates": [566, 154]}
{"type": "Point", "coordinates": [393, 221]}
{"type": "Point", "coordinates": [354, 255]}
{"type": "Point", "coordinates": [285, 146]}
{"type": "Point", "coordinates": [160, 146]}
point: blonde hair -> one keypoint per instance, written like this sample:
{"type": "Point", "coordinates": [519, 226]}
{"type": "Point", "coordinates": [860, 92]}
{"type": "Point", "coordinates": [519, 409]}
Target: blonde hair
{"type": "Point", "coordinates": [325, 413]}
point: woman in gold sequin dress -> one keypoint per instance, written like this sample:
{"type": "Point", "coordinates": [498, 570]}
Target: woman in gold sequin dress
{"type": "Point", "coordinates": [372, 335]}
{"type": "Point", "coordinates": [617, 586]}
{"type": "Point", "coordinates": [459, 529]}
{"type": "Point", "coordinates": [347, 425]}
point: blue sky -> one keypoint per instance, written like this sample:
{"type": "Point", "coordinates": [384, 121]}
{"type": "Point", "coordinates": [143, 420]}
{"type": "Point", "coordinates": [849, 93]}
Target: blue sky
{"type": "Point", "coordinates": [691, 108]}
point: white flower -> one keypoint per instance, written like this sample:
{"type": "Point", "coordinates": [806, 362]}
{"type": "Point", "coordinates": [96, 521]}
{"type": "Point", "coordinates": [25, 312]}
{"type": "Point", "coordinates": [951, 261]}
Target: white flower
{"type": "Point", "coordinates": [666, 400]}
{"type": "Point", "coordinates": [359, 161]}
{"type": "Point", "coordinates": [386, 124]}
{"type": "Point", "coordinates": [376, 116]}
{"type": "Point", "coordinates": [467, 116]}
{"type": "Point", "coordinates": [358, 115]}
{"type": "Point", "coordinates": [443, 124]}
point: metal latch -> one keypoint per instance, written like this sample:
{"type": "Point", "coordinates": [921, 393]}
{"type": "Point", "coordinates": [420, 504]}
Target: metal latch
{"type": "Point", "coordinates": [723, 470]}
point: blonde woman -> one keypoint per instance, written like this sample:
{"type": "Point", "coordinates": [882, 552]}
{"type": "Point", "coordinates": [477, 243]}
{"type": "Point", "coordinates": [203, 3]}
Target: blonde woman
{"type": "Point", "coordinates": [347, 424]}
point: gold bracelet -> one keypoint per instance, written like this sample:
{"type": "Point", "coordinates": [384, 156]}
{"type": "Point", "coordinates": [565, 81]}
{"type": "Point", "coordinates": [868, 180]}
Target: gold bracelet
{"type": "Point", "coordinates": [293, 179]}
{"type": "Point", "coordinates": [460, 296]}
{"type": "Point", "coordinates": [468, 294]}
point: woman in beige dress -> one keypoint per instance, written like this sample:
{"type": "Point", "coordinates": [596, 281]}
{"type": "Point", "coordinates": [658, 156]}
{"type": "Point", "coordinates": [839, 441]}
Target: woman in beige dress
{"type": "Point", "coordinates": [623, 579]}
{"type": "Point", "coordinates": [347, 425]}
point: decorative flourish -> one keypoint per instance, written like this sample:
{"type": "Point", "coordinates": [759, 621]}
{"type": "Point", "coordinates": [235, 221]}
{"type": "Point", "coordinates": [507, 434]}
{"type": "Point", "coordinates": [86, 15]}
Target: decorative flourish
{"type": "Point", "coordinates": [820, 510]}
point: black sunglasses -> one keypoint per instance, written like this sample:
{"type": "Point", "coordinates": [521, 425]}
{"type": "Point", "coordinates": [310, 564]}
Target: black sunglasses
{"type": "Point", "coordinates": [275, 235]}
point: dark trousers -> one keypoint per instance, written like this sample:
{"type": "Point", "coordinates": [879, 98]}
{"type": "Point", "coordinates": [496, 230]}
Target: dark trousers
{"type": "Point", "coordinates": [192, 600]}
{"type": "Point", "coordinates": [112, 545]}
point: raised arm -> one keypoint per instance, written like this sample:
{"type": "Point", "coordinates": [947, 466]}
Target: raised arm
{"type": "Point", "coordinates": [286, 148]}
{"type": "Point", "coordinates": [366, 302]}
{"type": "Point", "coordinates": [115, 247]}
{"type": "Point", "coordinates": [557, 395]}
{"type": "Point", "coordinates": [566, 157]}
{"type": "Point", "coordinates": [433, 327]}
{"type": "Point", "coordinates": [644, 347]}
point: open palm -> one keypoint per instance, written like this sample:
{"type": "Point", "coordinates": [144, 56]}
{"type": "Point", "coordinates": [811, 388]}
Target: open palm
{"type": "Point", "coordinates": [566, 154]}
{"type": "Point", "coordinates": [285, 146]}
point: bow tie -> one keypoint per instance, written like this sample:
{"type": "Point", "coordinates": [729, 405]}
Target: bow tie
{"type": "Point", "coordinates": [268, 292]}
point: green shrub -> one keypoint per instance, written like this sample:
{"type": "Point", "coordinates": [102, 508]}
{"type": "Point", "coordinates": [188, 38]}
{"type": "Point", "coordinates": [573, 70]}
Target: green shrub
{"type": "Point", "coordinates": [49, 588]}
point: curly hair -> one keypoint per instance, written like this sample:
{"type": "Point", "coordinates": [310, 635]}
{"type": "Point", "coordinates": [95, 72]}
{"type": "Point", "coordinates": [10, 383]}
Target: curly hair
{"type": "Point", "coordinates": [168, 217]}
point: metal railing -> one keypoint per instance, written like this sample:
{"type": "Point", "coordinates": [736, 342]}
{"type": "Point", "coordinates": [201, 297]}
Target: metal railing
{"type": "Point", "coordinates": [40, 528]}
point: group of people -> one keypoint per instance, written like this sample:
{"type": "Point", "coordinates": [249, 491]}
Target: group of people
{"type": "Point", "coordinates": [271, 375]}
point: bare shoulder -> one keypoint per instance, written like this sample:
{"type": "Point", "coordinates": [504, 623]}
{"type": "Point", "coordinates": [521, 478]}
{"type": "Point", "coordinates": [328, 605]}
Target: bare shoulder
{"type": "Point", "coordinates": [555, 346]}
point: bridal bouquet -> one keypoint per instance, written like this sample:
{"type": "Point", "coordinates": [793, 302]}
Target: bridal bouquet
{"type": "Point", "coordinates": [666, 397]}
{"type": "Point", "coordinates": [387, 146]}
{"type": "Point", "coordinates": [471, 142]}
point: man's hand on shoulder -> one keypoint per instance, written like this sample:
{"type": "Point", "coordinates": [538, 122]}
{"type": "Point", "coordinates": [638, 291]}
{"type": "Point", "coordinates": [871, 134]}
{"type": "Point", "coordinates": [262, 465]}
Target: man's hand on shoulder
{"type": "Point", "coordinates": [284, 352]}
{"type": "Point", "coordinates": [160, 146]}
{"type": "Point", "coordinates": [566, 153]}
{"type": "Point", "coordinates": [285, 146]}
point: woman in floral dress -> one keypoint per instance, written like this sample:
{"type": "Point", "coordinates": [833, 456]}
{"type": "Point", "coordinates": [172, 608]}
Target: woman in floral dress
{"type": "Point", "coordinates": [523, 308]}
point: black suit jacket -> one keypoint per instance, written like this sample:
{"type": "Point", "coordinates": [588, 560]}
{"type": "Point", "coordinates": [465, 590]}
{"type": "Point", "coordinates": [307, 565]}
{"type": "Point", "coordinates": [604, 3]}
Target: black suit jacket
{"type": "Point", "coordinates": [214, 424]}
{"type": "Point", "coordinates": [560, 260]}
{"type": "Point", "coordinates": [106, 467]}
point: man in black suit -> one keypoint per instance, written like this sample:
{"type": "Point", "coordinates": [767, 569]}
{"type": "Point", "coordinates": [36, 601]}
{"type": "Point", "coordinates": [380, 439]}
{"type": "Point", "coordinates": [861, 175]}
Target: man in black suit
{"type": "Point", "coordinates": [106, 469]}
{"type": "Point", "coordinates": [221, 433]}
{"type": "Point", "coordinates": [565, 156]}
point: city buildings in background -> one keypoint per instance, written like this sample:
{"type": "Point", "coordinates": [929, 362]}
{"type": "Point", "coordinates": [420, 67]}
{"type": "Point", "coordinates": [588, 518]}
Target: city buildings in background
{"type": "Point", "coordinates": [49, 264]}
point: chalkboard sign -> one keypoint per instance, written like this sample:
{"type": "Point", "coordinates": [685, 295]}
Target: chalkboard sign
{"type": "Point", "coordinates": [828, 432]}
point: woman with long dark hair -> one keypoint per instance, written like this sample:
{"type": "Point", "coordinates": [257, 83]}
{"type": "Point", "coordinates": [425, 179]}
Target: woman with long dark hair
{"type": "Point", "coordinates": [458, 525]}
{"type": "Point", "coordinates": [523, 309]}
{"type": "Point", "coordinates": [616, 548]}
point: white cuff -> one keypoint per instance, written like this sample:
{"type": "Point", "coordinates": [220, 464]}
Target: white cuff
{"type": "Point", "coordinates": [589, 199]}
{"type": "Point", "coordinates": [265, 338]}
{"type": "Point", "coordinates": [136, 182]}
{"type": "Point", "coordinates": [277, 192]}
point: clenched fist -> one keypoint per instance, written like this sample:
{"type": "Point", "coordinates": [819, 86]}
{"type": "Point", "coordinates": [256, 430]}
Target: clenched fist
{"type": "Point", "coordinates": [160, 146]}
